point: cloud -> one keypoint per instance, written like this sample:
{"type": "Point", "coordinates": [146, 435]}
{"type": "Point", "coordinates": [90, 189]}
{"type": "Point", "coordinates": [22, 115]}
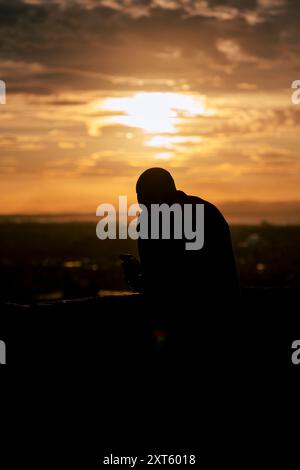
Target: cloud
{"type": "Point", "coordinates": [158, 44]}
{"type": "Point", "coordinates": [60, 58]}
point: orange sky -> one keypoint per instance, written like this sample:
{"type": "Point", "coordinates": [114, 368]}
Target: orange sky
{"type": "Point", "coordinates": [98, 91]}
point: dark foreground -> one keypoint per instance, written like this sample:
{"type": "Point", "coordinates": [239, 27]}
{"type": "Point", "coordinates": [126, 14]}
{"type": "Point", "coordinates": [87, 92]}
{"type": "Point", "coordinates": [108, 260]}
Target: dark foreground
{"type": "Point", "coordinates": [126, 375]}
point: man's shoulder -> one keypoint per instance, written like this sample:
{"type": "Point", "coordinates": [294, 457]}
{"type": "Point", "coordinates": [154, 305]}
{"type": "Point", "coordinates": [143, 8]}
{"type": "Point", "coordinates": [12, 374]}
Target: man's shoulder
{"type": "Point", "coordinates": [209, 208]}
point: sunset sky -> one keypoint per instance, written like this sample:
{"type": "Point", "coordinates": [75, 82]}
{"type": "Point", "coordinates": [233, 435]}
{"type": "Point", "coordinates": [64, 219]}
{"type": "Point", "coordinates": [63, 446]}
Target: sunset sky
{"type": "Point", "coordinates": [99, 90]}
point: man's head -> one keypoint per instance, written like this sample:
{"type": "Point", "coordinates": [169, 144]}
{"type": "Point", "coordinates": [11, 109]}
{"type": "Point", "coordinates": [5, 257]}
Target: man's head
{"type": "Point", "coordinates": [155, 186]}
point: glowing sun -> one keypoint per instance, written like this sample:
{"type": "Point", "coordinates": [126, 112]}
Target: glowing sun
{"type": "Point", "coordinates": [153, 112]}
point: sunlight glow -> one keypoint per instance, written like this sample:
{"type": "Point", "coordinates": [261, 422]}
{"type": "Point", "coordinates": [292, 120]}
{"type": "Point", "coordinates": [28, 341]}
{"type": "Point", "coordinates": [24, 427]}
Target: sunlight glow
{"type": "Point", "coordinates": [170, 141]}
{"type": "Point", "coordinates": [163, 156]}
{"type": "Point", "coordinates": [153, 112]}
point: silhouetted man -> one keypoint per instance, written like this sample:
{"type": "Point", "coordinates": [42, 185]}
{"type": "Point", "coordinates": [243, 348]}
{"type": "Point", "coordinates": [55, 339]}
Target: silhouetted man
{"type": "Point", "coordinates": [167, 267]}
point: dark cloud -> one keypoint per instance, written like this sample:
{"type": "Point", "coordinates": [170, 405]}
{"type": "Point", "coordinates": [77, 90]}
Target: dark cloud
{"type": "Point", "coordinates": [206, 45]}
